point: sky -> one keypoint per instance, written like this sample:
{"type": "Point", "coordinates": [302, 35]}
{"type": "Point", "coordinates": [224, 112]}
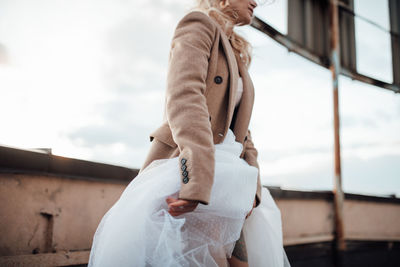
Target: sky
{"type": "Point", "coordinates": [87, 79]}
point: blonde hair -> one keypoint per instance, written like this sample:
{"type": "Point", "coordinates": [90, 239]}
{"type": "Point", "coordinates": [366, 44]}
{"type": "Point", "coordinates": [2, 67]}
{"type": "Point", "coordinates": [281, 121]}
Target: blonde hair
{"type": "Point", "coordinates": [240, 45]}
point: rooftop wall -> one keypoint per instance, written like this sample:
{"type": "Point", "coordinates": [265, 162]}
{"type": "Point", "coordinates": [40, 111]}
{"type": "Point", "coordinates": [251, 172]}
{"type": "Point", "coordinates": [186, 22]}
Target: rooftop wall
{"type": "Point", "coordinates": [50, 207]}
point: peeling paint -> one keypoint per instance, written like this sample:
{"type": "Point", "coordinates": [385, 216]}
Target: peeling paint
{"type": "Point", "coordinates": [53, 194]}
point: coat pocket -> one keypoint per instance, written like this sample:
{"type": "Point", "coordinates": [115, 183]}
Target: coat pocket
{"type": "Point", "coordinates": [163, 134]}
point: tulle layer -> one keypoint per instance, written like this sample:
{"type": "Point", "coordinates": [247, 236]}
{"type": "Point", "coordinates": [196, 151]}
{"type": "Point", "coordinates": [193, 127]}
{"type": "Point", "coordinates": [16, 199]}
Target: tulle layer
{"type": "Point", "coordinates": [263, 234]}
{"type": "Point", "coordinates": [138, 230]}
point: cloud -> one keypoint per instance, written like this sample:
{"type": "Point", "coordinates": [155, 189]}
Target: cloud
{"type": "Point", "coordinates": [137, 49]}
{"type": "Point", "coordinates": [374, 176]}
{"type": "Point", "coordinates": [123, 120]}
{"type": "Point", "coordinates": [138, 55]}
{"type": "Point", "coordinates": [378, 175]}
{"type": "Point", "coordinates": [3, 54]}
{"type": "Point", "coordinates": [299, 173]}
{"type": "Point", "coordinates": [352, 121]}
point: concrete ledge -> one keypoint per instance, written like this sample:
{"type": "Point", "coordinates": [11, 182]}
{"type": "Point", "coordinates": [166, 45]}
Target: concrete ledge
{"type": "Point", "coordinates": [47, 259]}
{"type": "Point", "coordinates": [19, 161]}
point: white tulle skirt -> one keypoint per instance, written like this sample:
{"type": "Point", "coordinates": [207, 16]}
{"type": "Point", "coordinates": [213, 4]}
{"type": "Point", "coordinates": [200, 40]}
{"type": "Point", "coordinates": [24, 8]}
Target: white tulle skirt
{"type": "Point", "coordinates": [139, 231]}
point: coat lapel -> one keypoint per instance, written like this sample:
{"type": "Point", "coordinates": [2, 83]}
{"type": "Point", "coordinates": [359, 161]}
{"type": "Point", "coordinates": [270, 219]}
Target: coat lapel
{"type": "Point", "coordinates": [245, 107]}
{"type": "Point", "coordinates": [233, 74]}
{"type": "Point", "coordinates": [246, 103]}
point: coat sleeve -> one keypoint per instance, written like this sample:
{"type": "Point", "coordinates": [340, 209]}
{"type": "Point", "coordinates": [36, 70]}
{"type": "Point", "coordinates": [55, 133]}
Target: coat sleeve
{"type": "Point", "coordinates": [250, 156]}
{"type": "Point", "coordinates": [186, 108]}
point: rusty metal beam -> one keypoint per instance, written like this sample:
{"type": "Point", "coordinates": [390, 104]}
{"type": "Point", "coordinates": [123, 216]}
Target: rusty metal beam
{"type": "Point", "coordinates": [288, 43]}
{"type": "Point", "coordinates": [335, 69]}
{"type": "Point", "coordinates": [394, 15]}
{"type": "Point", "coordinates": [320, 60]}
{"type": "Point", "coordinates": [368, 80]}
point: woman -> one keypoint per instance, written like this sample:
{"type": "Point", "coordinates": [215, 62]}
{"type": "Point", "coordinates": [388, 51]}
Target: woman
{"type": "Point", "coordinates": [200, 181]}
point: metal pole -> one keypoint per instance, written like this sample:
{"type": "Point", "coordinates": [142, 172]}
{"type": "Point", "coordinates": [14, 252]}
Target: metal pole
{"type": "Point", "coordinates": [335, 69]}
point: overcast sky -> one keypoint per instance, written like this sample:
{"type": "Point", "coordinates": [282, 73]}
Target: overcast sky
{"type": "Point", "coordinates": [87, 79]}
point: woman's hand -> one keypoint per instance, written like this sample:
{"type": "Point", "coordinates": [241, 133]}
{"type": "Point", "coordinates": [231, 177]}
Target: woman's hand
{"type": "Point", "coordinates": [254, 205]}
{"type": "Point", "coordinates": [178, 207]}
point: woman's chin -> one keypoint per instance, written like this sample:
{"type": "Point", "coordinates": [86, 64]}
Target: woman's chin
{"type": "Point", "coordinates": [245, 21]}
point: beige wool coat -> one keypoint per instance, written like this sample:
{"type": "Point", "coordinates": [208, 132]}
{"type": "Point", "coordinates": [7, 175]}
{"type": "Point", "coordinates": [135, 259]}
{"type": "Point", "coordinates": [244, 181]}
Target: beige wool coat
{"type": "Point", "coordinates": [202, 82]}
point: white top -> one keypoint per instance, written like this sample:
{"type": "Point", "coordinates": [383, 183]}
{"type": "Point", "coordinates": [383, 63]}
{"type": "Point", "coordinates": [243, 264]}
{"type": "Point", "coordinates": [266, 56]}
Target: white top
{"type": "Point", "coordinates": [239, 91]}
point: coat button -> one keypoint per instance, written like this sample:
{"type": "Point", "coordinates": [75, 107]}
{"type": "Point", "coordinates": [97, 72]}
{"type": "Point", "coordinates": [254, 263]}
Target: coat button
{"type": "Point", "coordinates": [218, 79]}
{"type": "Point", "coordinates": [183, 160]}
{"type": "Point", "coordinates": [183, 168]}
{"type": "Point", "coordinates": [185, 173]}
{"type": "Point", "coordinates": [185, 180]}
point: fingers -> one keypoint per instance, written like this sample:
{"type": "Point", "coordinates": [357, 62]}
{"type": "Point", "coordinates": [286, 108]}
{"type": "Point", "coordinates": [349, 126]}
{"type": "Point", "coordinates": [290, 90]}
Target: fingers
{"type": "Point", "coordinates": [180, 206]}
{"type": "Point", "coordinates": [176, 211]}
{"type": "Point", "coordinates": [180, 212]}
{"type": "Point", "coordinates": [170, 200]}
{"type": "Point", "coordinates": [182, 203]}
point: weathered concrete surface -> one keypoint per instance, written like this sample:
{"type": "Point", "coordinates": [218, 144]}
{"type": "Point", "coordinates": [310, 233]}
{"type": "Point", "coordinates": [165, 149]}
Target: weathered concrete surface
{"type": "Point", "coordinates": [372, 220]}
{"type": "Point", "coordinates": [306, 220]}
{"type": "Point", "coordinates": [42, 214]}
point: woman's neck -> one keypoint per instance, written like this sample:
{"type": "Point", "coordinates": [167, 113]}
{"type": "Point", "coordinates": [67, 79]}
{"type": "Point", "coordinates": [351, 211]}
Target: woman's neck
{"type": "Point", "coordinates": [228, 29]}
